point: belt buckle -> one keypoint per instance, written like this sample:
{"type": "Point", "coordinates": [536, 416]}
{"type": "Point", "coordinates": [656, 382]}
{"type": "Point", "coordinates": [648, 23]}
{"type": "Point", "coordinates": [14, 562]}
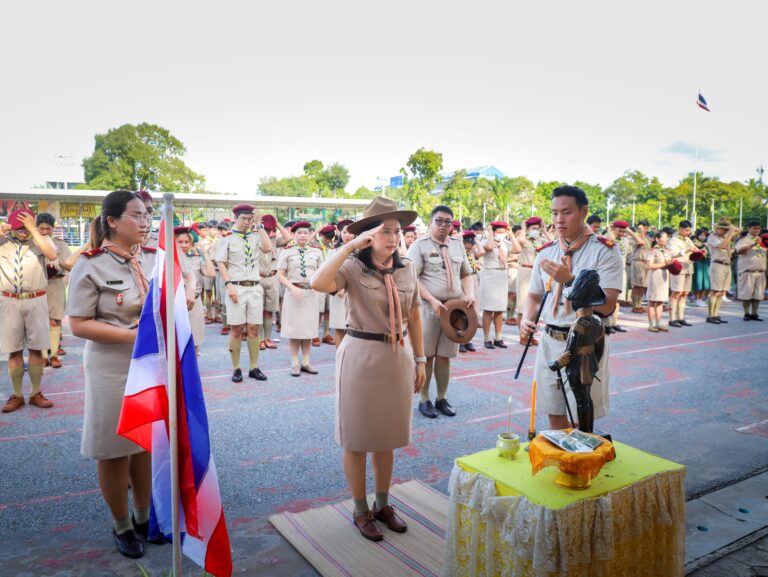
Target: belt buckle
{"type": "Point", "coordinates": [24, 296]}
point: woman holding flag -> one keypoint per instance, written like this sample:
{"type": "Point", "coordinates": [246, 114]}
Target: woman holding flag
{"type": "Point", "coordinates": [377, 369]}
{"type": "Point", "coordinates": [107, 289]}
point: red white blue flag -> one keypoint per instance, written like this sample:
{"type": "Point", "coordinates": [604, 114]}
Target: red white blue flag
{"type": "Point", "coordinates": [144, 420]}
{"type": "Point", "coordinates": [702, 103]}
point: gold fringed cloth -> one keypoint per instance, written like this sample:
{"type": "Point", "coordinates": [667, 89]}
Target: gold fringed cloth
{"type": "Point", "coordinates": [503, 522]}
{"type": "Point", "coordinates": [543, 453]}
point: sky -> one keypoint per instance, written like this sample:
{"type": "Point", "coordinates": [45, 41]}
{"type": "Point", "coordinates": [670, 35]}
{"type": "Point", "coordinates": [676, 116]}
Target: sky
{"type": "Point", "coordinates": [549, 90]}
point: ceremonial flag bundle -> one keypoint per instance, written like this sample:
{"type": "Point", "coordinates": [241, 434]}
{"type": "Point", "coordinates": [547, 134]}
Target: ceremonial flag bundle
{"type": "Point", "coordinates": [144, 419]}
{"type": "Point", "coordinates": [702, 103]}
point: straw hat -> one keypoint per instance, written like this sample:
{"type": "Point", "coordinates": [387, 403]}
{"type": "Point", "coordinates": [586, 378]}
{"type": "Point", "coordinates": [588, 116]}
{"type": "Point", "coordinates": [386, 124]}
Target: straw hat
{"type": "Point", "coordinates": [381, 209]}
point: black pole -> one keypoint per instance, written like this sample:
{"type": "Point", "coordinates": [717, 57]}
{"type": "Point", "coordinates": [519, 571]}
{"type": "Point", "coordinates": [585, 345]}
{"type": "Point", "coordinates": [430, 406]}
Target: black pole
{"type": "Point", "coordinates": [561, 386]}
{"type": "Point", "coordinates": [530, 337]}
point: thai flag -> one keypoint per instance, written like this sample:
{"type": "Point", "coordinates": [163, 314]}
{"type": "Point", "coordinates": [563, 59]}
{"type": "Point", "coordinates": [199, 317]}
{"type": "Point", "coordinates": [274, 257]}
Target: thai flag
{"type": "Point", "coordinates": [144, 420]}
{"type": "Point", "coordinates": [702, 103]}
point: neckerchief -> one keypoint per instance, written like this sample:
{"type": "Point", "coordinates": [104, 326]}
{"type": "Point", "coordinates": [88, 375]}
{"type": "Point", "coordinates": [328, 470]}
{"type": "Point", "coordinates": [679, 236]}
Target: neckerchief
{"type": "Point", "coordinates": [393, 303]}
{"type": "Point", "coordinates": [247, 247]}
{"type": "Point", "coordinates": [131, 258]}
{"type": "Point", "coordinates": [302, 261]}
{"type": "Point", "coordinates": [568, 250]}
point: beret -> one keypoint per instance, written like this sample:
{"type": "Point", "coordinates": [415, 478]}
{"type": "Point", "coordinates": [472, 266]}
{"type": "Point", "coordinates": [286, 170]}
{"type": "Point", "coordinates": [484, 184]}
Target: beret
{"type": "Point", "coordinates": [301, 224]}
{"type": "Point", "coordinates": [13, 218]}
{"type": "Point", "coordinates": [241, 208]}
{"type": "Point", "coordinates": [620, 224]}
{"type": "Point", "coordinates": [533, 220]}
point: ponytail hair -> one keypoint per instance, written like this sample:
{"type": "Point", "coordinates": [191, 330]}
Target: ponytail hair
{"type": "Point", "coordinates": [114, 205]}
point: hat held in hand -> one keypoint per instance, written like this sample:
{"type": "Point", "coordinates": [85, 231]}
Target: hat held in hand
{"type": "Point", "coordinates": [459, 322]}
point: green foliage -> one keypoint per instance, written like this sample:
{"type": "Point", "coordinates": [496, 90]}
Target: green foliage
{"type": "Point", "coordinates": [137, 157]}
{"type": "Point", "coordinates": [425, 166]}
{"type": "Point", "coordinates": [316, 181]}
{"type": "Point", "coordinates": [365, 193]}
{"type": "Point", "coordinates": [291, 186]}
{"type": "Point", "coordinates": [313, 169]}
{"type": "Point", "coordinates": [333, 179]}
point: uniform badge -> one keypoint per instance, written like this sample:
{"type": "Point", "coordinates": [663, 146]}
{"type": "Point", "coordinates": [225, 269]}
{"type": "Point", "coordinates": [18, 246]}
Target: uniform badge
{"type": "Point", "coordinates": [119, 298]}
{"type": "Point", "coordinates": [434, 253]}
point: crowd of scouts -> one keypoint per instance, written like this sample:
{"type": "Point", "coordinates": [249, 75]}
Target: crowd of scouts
{"type": "Point", "coordinates": [379, 283]}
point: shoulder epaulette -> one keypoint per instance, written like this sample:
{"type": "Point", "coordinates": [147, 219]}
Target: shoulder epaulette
{"type": "Point", "coordinates": [546, 245]}
{"type": "Point", "coordinates": [93, 252]}
{"type": "Point", "coordinates": [148, 249]}
{"type": "Point", "coordinates": [606, 241]}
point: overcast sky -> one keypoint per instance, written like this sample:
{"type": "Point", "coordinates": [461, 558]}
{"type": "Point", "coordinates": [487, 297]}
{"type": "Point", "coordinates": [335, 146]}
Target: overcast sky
{"type": "Point", "coordinates": [549, 90]}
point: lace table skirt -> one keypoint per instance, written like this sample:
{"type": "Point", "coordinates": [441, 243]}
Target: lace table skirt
{"type": "Point", "coordinates": [635, 531]}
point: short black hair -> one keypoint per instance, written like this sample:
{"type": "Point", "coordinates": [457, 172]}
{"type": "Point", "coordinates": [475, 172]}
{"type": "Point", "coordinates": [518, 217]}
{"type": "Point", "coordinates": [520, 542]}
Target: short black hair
{"type": "Point", "coordinates": [572, 191]}
{"type": "Point", "coordinates": [45, 218]}
{"type": "Point", "coordinates": [441, 208]}
{"type": "Point", "coordinates": [594, 218]}
{"type": "Point", "coordinates": [669, 230]}
{"type": "Point", "coordinates": [644, 222]}
{"type": "Point", "coordinates": [516, 228]}
{"type": "Point", "coordinates": [750, 224]}
{"type": "Point", "coordinates": [685, 224]}
{"type": "Point", "coordinates": [476, 226]}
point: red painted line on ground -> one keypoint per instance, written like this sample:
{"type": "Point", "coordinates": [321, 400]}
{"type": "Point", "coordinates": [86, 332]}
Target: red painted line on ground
{"type": "Point", "coordinates": [50, 434]}
{"type": "Point", "coordinates": [48, 499]}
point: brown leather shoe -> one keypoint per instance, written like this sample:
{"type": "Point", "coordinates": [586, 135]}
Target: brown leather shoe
{"type": "Point", "coordinates": [368, 526]}
{"type": "Point", "coordinates": [13, 403]}
{"type": "Point", "coordinates": [40, 401]}
{"type": "Point", "coordinates": [61, 352]}
{"type": "Point", "coordinates": [388, 516]}
{"type": "Point", "coordinates": [46, 362]}
{"type": "Point", "coordinates": [329, 340]}
{"type": "Point", "coordinates": [262, 346]}
{"type": "Point", "coordinates": [316, 342]}
{"type": "Point", "coordinates": [524, 341]}
{"type": "Point", "coordinates": [270, 344]}
{"type": "Point", "coordinates": [224, 330]}
{"type": "Point", "coordinates": [511, 322]}
{"type": "Point", "coordinates": [55, 362]}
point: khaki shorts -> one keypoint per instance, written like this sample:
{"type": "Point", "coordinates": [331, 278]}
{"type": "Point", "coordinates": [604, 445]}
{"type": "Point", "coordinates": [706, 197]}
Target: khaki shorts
{"type": "Point", "coordinates": [249, 307]}
{"type": "Point", "coordinates": [57, 299]}
{"type": "Point", "coordinates": [751, 285]}
{"type": "Point", "coordinates": [681, 283]}
{"type": "Point", "coordinates": [719, 277]}
{"type": "Point", "coordinates": [25, 324]}
{"type": "Point", "coordinates": [271, 288]}
{"type": "Point", "coordinates": [435, 341]}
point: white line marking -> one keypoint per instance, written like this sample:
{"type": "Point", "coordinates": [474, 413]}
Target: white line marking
{"type": "Point", "coordinates": [751, 426]}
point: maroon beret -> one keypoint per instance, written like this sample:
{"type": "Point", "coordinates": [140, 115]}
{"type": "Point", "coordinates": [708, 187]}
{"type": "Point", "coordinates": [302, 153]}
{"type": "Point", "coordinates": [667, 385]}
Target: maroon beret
{"type": "Point", "coordinates": [409, 228]}
{"type": "Point", "coordinates": [344, 222]}
{"type": "Point", "coordinates": [675, 267]}
{"type": "Point", "coordinates": [13, 218]}
{"type": "Point", "coordinates": [145, 196]}
{"type": "Point", "coordinates": [532, 221]}
{"type": "Point", "coordinates": [300, 224]}
{"type": "Point", "coordinates": [269, 222]}
{"type": "Point", "coordinates": [620, 224]}
{"type": "Point", "coordinates": [177, 230]}
{"type": "Point", "coordinates": [499, 224]}
{"type": "Point", "coordinates": [241, 208]}
{"type": "Point", "coordinates": [468, 234]}
{"type": "Point", "coordinates": [456, 224]}
{"type": "Point", "coordinates": [328, 228]}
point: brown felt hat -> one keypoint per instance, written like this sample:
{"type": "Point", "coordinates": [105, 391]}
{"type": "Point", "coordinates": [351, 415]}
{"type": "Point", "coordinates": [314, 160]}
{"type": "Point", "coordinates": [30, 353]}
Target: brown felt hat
{"type": "Point", "coordinates": [381, 209]}
{"type": "Point", "coordinates": [459, 323]}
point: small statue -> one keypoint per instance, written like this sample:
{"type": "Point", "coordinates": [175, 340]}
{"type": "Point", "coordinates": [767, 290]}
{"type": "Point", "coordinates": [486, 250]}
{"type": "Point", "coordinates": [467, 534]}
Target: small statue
{"type": "Point", "coordinates": [584, 345]}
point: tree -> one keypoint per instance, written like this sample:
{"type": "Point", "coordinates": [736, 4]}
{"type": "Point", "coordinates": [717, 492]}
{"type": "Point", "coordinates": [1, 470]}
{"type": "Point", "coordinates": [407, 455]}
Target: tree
{"type": "Point", "coordinates": [333, 179]}
{"type": "Point", "coordinates": [140, 156]}
{"type": "Point", "coordinates": [291, 186]}
{"type": "Point", "coordinates": [313, 169]}
{"type": "Point", "coordinates": [425, 165]}
{"type": "Point", "coordinates": [364, 193]}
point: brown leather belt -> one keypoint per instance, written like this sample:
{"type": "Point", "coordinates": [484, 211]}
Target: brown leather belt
{"type": "Point", "coordinates": [722, 262]}
{"type": "Point", "coordinates": [557, 333]}
{"type": "Point", "coordinates": [273, 273]}
{"type": "Point", "coordinates": [302, 285]}
{"type": "Point", "coordinates": [23, 296]}
{"type": "Point", "coordinates": [385, 337]}
{"type": "Point", "coordinates": [244, 282]}
{"type": "Point", "coordinates": [526, 265]}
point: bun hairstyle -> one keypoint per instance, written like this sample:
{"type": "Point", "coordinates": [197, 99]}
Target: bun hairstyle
{"type": "Point", "coordinates": [114, 205]}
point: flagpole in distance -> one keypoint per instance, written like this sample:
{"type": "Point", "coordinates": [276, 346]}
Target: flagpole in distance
{"type": "Point", "coordinates": [170, 324]}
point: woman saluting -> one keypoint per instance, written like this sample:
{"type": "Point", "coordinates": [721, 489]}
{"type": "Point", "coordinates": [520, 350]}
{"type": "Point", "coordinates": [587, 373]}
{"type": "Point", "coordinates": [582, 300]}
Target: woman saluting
{"type": "Point", "coordinates": [377, 369]}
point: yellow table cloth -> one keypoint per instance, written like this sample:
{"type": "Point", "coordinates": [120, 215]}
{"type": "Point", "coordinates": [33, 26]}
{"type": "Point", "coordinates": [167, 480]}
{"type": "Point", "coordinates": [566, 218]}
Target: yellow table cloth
{"type": "Point", "coordinates": [503, 522]}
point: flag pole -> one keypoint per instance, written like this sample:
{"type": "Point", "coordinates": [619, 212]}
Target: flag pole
{"type": "Point", "coordinates": [693, 205]}
{"type": "Point", "coordinates": [170, 324]}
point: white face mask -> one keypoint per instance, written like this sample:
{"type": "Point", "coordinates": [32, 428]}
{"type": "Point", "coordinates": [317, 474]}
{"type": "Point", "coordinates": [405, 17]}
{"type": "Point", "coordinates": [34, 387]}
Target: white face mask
{"type": "Point", "coordinates": [534, 233]}
{"type": "Point", "coordinates": [499, 237]}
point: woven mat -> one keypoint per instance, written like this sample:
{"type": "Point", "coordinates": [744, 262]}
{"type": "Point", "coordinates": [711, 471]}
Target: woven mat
{"type": "Point", "coordinates": [329, 540]}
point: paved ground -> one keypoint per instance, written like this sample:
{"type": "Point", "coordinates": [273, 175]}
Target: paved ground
{"type": "Point", "coordinates": [697, 395]}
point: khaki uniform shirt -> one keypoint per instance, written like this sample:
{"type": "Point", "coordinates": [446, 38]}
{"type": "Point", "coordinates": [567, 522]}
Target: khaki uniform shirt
{"type": "Point", "coordinates": [527, 255]}
{"type": "Point", "coordinates": [290, 261]}
{"type": "Point", "coordinates": [101, 287]}
{"type": "Point", "coordinates": [625, 246]}
{"type": "Point", "coordinates": [232, 250]}
{"type": "Point", "coordinates": [33, 277]}
{"type": "Point", "coordinates": [640, 252]}
{"type": "Point", "coordinates": [680, 248]}
{"type": "Point", "coordinates": [721, 254]}
{"type": "Point", "coordinates": [268, 260]}
{"type": "Point", "coordinates": [595, 255]}
{"type": "Point", "coordinates": [752, 260]}
{"type": "Point", "coordinates": [426, 256]}
{"type": "Point", "coordinates": [193, 262]}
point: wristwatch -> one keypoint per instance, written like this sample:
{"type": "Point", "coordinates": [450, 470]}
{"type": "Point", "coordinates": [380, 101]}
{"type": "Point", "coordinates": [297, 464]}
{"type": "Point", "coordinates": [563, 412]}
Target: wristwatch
{"type": "Point", "coordinates": [420, 359]}
{"type": "Point", "coordinates": [227, 282]}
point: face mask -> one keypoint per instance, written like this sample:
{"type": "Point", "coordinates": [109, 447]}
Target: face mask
{"type": "Point", "coordinates": [499, 237]}
{"type": "Point", "coordinates": [535, 233]}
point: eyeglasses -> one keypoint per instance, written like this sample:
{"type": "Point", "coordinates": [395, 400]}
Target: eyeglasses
{"type": "Point", "coordinates": [442, 222]}
{"type": "Point", "coordinates": [139, 218]}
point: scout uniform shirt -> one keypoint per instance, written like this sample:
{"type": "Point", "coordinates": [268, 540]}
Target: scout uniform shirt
{"type": "Point", "coordinates": [680, 248]}
{"type": "Point", "coordinates": [299, 263]}
{"type": "Point", "coordinates": [240, 252]}
{"type": "Point", "coordinates": [57, 292]}
{"type": "Point", "coordinates": [752, 260]}
{"type": "Point", "coordinates": [718, 255]}
{"type": "Point", "coordinates": [427, 258]}
{"type": "Point", "coordinates": [22, 266]}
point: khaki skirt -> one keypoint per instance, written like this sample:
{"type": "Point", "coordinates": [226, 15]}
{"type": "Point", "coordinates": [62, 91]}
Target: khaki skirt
{"type": "Point", "coordinates": [374, 395]}
{"type": "Point", "coordinates": [106, 371]}
{"type": "Point", "coordinates": [523, 282]}
{"type": "Point", "coordinates": [338, 312]}
{"type": "Point", "coordinates": [493, 289]}
{"type": "Point", "coordinates": [197, 321]}
{"type": "Point", "coordinates": [300, 318]}
{"type": "Point", "coordinates": [57, 299]}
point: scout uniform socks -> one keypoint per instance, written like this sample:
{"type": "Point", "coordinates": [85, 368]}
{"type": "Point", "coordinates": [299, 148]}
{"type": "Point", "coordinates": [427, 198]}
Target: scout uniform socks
{"type": "Point", "coordinates": [17, 377]}
{"type": "Point", "coordinates": [234, 350]}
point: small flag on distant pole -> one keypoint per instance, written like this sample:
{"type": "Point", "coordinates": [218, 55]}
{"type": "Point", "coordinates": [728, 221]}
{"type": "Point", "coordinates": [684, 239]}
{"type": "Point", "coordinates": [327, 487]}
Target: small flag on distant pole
{"type": "Point", "coordinates": [702, 103]}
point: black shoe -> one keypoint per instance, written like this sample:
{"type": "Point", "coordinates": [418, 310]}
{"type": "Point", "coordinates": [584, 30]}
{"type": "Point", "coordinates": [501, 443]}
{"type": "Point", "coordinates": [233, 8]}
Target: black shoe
{"type": "Point", "coordinates": [619, 329]}
{"type": "Point", "coordinates": [462, 348]}
{"type": "Point", "coordinates": [499, 344]}
{"type": "Point", "coordinates": [489, 345]}
{"type": "Point", "coordinates": [445, 407]}
{"type": "Point", "coordinates": [747, 317]}
{"type": "Point", "coordinates": [427, 409]}
{"type": "Point", "coordinates": [721, 321]}
{"type": "Point", "coordinates": [257, 374]}
{"type": "Point", "coordinates": [470, 347]}
{"type": "Point", "coordinates": [608, 330]}
{"type": "Point", "coordinates": [684, 323]}
{"type": "Point", "coordinates": [142, 532]}
{"type": "Point", "coordinates": [713, 320]}
{"type": "Point", "coordinates": [237, 376]}
{"type": "Point", "coordinates": [128, 544]}
{"type": "Point", "coordinates": [756, 317]}
{"type": "Point", "coordinates": [675, 324]}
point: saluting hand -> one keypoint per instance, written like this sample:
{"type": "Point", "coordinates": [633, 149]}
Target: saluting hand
{"type": "Point", "coordinates": [421, 377]}
{"type": "Point", "coordinates": [365, 239]}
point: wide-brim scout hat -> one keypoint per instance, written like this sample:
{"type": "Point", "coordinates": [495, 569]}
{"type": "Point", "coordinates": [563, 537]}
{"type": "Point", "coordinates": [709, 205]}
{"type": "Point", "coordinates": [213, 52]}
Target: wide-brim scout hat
{"type": "Point", "coordinates": [675, 267]}
{"type": "Point", "coordinates": [459, 322]}
{"type": "Point", "coordinates": [723, 223]}
{"type": "Point", "coordinates": [381, 209]}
